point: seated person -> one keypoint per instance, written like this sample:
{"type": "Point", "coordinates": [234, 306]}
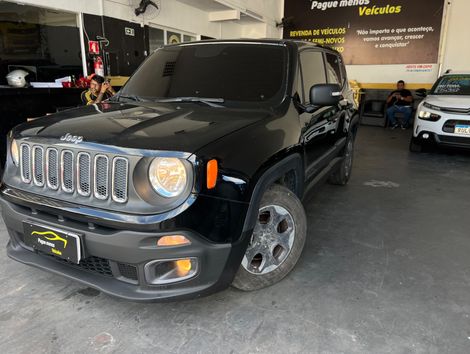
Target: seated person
{"type": "Point", "coordinates": [99, 90]}
{"type": "Point", "coordinates": [401, 101]}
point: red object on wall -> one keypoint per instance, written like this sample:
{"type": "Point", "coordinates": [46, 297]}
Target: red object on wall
{"type": "Point", "coordinates": [98, 65]}
{"type": "Point", "coordinates": [93, 47]}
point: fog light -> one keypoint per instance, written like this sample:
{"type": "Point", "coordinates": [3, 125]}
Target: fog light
{"type": "Point", "coordinates": [425, 136]}
{"type": "Point", "coordinates": [173, 240]}
{"type": "Point", "coordinates": [183, 267]}
{"type": "Point", "coordinates": [170, 271]}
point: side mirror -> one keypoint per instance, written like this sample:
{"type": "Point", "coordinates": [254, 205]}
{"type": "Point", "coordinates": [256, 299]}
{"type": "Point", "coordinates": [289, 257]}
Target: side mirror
{"type": "Point", "coordinates": [422, 92]}
{"type": "Point", "coordinates": [325, 95]}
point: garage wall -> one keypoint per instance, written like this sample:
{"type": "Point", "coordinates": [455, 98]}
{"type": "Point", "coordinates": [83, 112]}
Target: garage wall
{"type": "Point", "coordinates": [454, 54]}
{"type": "Point", "coordinates": [173, 15]}
{"type": "Point", "coordinates": [271, 10]}
{"type": "Point", "coordinates": [456, 44]}
{"type": "Point", "coordinates": [66, 5]}
{"type": "Point", "coordinates": [386, 76]}
{"type": "Point", "coordinates": [182, 17]}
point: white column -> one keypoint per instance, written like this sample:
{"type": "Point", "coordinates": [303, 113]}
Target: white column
{"type": "Point", "coordinates": [82, 44]}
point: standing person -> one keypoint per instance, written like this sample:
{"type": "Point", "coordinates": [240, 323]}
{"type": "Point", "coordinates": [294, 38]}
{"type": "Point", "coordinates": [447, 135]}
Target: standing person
{"type": "Point", "coordinates": [401, 101]}
{"type": "Point", "coordinates": [99, 90]}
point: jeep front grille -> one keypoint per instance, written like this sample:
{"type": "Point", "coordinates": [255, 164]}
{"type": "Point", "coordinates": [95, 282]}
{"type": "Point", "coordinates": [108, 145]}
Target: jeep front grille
{"type": "Point", "coordinates": [101, 180]}
{"type": "Point", "coordinates": [71, 171]}
{"type": "Point", "coordinates": [52, 168]}
{"type": "Point", "coordinates": [25, 162]}
{"type": "Point", "coordinates": [84, 174]}
{"type": "Point", "coordinates": [66, 163]}
{"type": "Point", "coordinates": [120, 171]}
{"type": "Point", "coordinates": [38, 165]}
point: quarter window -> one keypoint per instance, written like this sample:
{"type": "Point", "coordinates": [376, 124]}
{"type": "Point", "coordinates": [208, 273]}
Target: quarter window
{"type": "Point", "coordinates": [313, 70]}
{"type": "Point", "coordinates": [333, 69]}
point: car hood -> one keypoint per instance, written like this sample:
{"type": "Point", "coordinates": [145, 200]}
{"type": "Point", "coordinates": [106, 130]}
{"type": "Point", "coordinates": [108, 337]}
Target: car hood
{"type": "Point", "coordinates": [172, 127]}
{"type": "Point", "coordinates": [461, 102]}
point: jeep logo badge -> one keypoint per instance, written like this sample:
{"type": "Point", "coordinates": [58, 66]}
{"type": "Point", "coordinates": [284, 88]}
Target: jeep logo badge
{"type": "Point", "coordinates": [72, 138]}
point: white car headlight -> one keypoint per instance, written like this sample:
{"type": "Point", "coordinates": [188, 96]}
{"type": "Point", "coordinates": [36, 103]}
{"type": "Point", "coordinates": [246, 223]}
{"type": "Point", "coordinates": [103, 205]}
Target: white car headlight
{"type": "Point", "coordinates": [433, 117]}
{"type": "Point", "coordinates": [15, 152]}
{"type": "Point", "coordinates": [168, 176]}
{"type": "Point", "coordinates": [424, 114]}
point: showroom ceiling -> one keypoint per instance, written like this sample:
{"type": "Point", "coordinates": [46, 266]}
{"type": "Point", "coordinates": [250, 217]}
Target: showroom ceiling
{"type": "Point", "coordinates": [223, 10]}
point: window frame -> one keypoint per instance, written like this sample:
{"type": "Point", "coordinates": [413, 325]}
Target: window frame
{"type": "Point", "coordinates": [342, 69]}
{"type": "Point", "coordinates": [306, 50]}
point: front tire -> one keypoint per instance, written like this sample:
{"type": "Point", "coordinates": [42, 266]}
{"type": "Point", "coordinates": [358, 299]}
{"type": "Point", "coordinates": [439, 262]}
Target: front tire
{"type": "Point", "coordinates": [415, 145]}
{"type": "Point", "coordinates": [277, 240]}
{"type": "Point", "coordinates": [342, 175]}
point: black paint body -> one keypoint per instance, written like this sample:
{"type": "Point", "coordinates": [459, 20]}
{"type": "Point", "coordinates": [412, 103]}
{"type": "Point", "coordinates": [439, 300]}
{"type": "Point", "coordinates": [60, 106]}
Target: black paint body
{"type": "Point", "coordinates": [254, 147]}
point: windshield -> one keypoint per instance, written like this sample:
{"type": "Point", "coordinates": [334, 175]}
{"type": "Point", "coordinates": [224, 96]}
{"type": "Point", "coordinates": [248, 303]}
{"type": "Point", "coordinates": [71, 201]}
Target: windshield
{"type": "Point", "coordinates": [233, 72]}
{"type": "Point", "coordinates": [452, 85]}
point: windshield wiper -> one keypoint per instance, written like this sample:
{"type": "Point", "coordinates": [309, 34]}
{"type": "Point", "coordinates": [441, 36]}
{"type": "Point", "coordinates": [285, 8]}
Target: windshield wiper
{"type": "Point", "coordinates": [209, 101]}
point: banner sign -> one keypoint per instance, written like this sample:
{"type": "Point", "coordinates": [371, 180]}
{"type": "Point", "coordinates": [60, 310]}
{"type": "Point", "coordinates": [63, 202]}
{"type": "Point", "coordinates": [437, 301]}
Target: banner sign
{"type": "Point", "coordinates": [369, 31]}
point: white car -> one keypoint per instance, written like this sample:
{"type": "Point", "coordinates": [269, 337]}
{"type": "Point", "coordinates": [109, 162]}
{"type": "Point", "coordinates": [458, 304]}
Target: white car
{"type": "Point", "coordinates": [443, 117]}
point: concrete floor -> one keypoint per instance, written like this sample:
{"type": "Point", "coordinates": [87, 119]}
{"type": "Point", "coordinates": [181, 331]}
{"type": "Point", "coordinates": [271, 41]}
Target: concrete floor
{"type": "Point", "coordinates": [386, 269]}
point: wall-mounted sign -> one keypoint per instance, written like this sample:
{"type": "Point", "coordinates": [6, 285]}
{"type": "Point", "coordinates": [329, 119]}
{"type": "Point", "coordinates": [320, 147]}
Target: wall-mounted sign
{"type": "Point", "coordinates": [93, 47]}
{"type": "Point", "coordinates": [370, 31]}
{"type": "Point", "coordinates": [129, 31]}
{"type": "Point", "coordinates": [173, 38]}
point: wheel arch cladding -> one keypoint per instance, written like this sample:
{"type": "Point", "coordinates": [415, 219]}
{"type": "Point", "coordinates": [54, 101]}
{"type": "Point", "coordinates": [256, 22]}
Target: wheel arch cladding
{"type": "Point", "coordinates": [269, 176]}
{"type": "Point", "coordinates": [354, 125]}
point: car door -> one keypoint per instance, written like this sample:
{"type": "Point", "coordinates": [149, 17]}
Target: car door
{"type": "Point", "coordinates": [319, 126]}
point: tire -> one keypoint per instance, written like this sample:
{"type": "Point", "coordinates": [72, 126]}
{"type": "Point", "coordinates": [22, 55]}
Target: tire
{"type": "Point", "coordinates": [342, 175]}
{"type": "Point", "coordinates": [415, 145]}
{"type": "Point", "coordinates": [277, 240]}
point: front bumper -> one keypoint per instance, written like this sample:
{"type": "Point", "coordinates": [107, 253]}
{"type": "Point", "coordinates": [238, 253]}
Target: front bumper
{"type": "Point", "coordinates": [114, 259]}
{"type": "Point", "coordinates": [451, 140]}
{"type": "Point", "coordinates": [441, 132]}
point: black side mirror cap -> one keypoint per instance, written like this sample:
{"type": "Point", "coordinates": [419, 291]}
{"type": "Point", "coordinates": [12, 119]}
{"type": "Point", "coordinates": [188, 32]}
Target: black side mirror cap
{"type": "Point", "coordinates": [325, 95]}
{"type": "Point", "coordinates": [422, 92]}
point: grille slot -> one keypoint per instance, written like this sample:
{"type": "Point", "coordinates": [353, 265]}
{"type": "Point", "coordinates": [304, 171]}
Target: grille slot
{"type": "Point", "coordinates": [67, 171]}
{"type": "Point", "coordinates": [91, 264]}
{"type": "Point", "coordinates": [119, 186]}
{"type": "Point", "coordinates": [25, 162]}
{"type": "Point", "coordinates": [96, 265]}
{"type": "Point", "coordinates": [454, 139]}
{"type": "Point", "coordinates": [128, 271]}
{"type": "Point", "coordinates": [101, 177]}
{"type": "Point", "coordinates": [84, 174]}
{"type": "Point", "coordinates": [75, 172]}
{"type": "Point", "coordinates": [52, 168]}
{"type": "Point", "coordinates": [38, 165]}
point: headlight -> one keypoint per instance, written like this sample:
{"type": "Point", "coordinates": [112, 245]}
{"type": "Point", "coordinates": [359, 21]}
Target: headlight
{"type": "Point", "coordinates": [424, 114]}
{"type": "Point", "coordinates": [433, 117]}
{"type": "Point", "coordinates": [167, 176]}
{"type": "Point", "coordinates": [15, 152]}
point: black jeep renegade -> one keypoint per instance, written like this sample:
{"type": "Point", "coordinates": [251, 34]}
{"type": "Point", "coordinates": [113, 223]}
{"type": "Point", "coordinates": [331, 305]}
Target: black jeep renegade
{"type": "Point", "coordinates": [190, 178]}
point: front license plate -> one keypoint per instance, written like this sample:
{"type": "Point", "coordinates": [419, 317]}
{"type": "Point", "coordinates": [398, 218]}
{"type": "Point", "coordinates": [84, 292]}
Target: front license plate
{"type": "Point", "coordinates": [59, 243]}
{"type": "Point", "coordinates": [462, 129]}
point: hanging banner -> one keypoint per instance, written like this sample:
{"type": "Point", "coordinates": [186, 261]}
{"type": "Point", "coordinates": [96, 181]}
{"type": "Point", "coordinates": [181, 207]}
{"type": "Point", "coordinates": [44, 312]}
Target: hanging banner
{"type": "Point", "coordinates": [369, 31]}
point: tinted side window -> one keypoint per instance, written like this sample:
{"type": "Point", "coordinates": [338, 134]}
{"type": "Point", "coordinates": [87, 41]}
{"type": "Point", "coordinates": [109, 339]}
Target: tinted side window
{"type": "Point", "coordinates": [333, 69]}
{"type": "Point", "coordinates": [313, 70]}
